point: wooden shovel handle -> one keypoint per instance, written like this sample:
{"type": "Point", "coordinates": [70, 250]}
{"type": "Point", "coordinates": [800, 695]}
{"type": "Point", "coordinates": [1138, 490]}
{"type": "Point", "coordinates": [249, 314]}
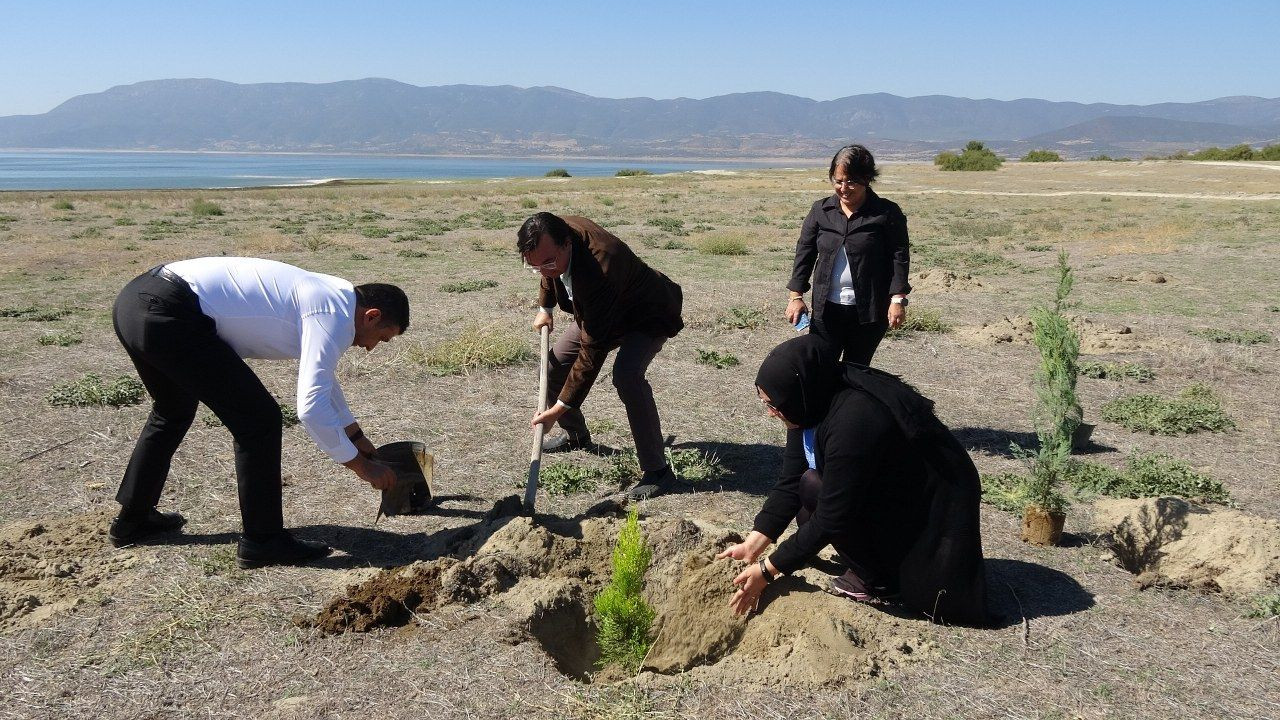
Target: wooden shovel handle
{"type": "Point", "coordinates": [535, 455]}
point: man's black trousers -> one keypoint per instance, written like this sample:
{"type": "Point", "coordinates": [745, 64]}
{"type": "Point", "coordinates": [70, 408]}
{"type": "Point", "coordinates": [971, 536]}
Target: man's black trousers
{"type": "Point", "coordinates": [183, 362]}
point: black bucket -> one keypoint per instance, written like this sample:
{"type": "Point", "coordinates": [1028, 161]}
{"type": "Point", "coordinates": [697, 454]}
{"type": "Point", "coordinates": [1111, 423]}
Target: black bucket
{"type": "Point", "coordinates": [413, 465]}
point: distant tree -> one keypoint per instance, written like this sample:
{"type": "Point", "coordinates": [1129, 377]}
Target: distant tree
{"type": "Point", "coordinates": [975, 156]}
{"type": "Point", "coordinates": [1102, 158]}
{"type": "Point", "coordinates": [558, 172]}
{"type": "Point", "coordinates": [1042, 156]}
{"type": "Point", "coordinates": [1270, 152]}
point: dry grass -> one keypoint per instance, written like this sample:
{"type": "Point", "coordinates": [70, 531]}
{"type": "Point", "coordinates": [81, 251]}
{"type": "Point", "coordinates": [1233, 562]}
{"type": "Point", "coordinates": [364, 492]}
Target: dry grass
{"type": "Point", "coordinates": [185, 634]}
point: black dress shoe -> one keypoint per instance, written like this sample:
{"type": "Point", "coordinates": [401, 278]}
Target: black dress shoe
{"type": "Point", "coordinates": [278, 549]}
{"type": "Point", "coordinates": [653, 484]}
{"type": "Point", "coordinates": [127, 531]}
{"type": "Point", "coordinates": [564, 442]}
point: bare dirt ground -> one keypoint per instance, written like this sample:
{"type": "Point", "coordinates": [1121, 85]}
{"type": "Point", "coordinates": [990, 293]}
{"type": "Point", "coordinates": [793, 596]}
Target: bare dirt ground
{"type": "Point", "coordinates": [174, 630]}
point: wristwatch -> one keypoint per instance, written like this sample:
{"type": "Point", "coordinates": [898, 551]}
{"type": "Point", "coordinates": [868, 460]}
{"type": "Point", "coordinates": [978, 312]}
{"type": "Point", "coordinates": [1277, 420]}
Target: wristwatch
{"type": "Point", "coordinates": [764, 570]}
{"type": "Point", "coordinates": [899, 300]}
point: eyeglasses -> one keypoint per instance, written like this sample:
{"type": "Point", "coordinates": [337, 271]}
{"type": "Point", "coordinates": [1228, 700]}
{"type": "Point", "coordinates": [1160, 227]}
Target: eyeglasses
{"type": "Point", "coordinates": [846, 183]}
{"type": "Point", "coordinates": [768, 405]}
{"type": "Point", "coordinates": [537, 269]}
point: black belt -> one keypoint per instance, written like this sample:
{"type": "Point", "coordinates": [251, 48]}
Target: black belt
{"type": "Point", "coordinates": [171, 277]}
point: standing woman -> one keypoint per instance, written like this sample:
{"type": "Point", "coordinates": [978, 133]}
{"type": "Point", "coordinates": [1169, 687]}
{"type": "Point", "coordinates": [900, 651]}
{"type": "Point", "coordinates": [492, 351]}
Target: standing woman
{"type": "Point", "coordinates": [854, 244]}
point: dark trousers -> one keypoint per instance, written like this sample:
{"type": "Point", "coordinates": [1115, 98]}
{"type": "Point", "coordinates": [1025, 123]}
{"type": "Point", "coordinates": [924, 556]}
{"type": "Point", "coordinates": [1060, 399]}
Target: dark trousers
{"type": "Point", "coordinates": [856, 341]}
{"type": "Point", "coordinates": [634, 355]}
{"type": "Point", "coordinates": [852, 549]}
{"type": "Point", "coordinates": [182, 362]}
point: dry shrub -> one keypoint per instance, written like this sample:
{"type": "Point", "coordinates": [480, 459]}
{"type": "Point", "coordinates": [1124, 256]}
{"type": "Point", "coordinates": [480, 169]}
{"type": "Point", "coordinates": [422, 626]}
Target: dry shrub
{"type": "Point", "coordinates": [475, 348]}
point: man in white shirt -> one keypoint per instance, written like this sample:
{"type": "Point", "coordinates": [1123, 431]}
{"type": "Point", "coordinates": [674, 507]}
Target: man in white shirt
{"type": "Point", "coordinates": [187, 327]}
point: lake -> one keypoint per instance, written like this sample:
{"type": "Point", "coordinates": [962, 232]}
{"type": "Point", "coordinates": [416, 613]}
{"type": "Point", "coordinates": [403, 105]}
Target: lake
{"type": "Point", "coordinates": [153, 170]}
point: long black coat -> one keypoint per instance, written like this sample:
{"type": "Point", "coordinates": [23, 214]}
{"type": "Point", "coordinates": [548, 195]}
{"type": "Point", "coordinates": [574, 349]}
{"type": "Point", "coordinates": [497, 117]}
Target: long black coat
{"type": "Point", "coordinates": [895, 484]}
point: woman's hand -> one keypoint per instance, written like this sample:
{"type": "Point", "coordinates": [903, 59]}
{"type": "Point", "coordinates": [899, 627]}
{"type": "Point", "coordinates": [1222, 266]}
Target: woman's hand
{"type": "Point", "coordinates": [748, 550]}
{"type": "Point", "coordinates": [796, 308]}
{"type": "Point", "coordinates": [897, 315]}
{"type": "Point", "coordinates": [751, 584]}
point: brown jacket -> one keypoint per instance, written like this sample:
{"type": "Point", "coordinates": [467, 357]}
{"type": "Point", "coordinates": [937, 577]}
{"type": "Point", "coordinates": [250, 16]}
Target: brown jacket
{"type": "Point", "coordinates": [614, 293]}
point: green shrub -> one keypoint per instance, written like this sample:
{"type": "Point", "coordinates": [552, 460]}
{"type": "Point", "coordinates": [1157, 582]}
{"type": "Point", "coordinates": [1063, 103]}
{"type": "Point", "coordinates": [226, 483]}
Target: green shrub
{"type": "Point", "coordinates": [1196, 408]}
{"type": "Point", "coordinates": [288, 415]}
{"type": "Point", "coordinates": [741, 318]}
{"type": "Point", "coordinates": [406, 237]}
{"type": "Point", "coordinates": [35, 313]}
{"type": "Point", "coordinates": [1243, 151]}
{"type": "Point", "coordinates": [1102, 158]}
{"type": "Point", "coordinates": [631, 172]}
{"type": "Point", "coordinates": [1148, 475]}
{"type": "Point", "coordinates": [1042, 156]}
{"type": "Point", "coordinates": [1037, 247]}
{"type": "Point", "coordinates": [717, 359]}
{"type": "Point", "coordinates": [63, 205]}
{"type": "Point", "coordinates": [91, 390]}
{"type": "Point", "coordinates": [675, 226]}
{"type": "Point", "coordinates": [359, 256]}
{"type": "Point", "coordinates": [1265, 606]}
{"type": "Point", "coordinates": [467, 286]}
{"type": "Point", "coordinates": [974, 157]}
{"type": "Point", "coordinates": [721, 245]}
{"type": "Point", "coordinates": [563, 478]}
{"type": "Point", "coordinates": [695, 466]}
{"type": "Point", "coordinates": [410, 253]}
{"type": "Point", "coordinates": [475, 348]}
{"type": "Point", "coordinates": [374, 231]}
{"type": "Point", "coordinates": [205, 208]}
{"type": "Point", "coordinates": [1004, 491]}
{"type": "Point", "coordinates": [1237, 337]}
{"type": "Point", "coordinates": [623, 617]}
{"type": "Point", "coordinates": [919, 320]}
{"type": "Point", "coordinates": [558, 172]}
{"type": "Point", "coordinates": [1117, 371]}
{"type": "Point", "coordinates": [528, 203]}
{"type": "Point", "coordinates": [62, 338]}
{"type": "Point", "coordinates": [432, 226]}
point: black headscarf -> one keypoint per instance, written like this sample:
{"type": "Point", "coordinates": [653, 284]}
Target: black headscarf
{"type": "Point", "coordinates": [800, 376]}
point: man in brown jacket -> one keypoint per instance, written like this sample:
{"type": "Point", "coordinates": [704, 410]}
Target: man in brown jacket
{"type": "Point", "coordinates": [618, 302]}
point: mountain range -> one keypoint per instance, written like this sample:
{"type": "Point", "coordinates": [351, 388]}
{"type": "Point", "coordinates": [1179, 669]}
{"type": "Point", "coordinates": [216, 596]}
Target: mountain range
{"type": "Point", "coordinates": [385, 116]}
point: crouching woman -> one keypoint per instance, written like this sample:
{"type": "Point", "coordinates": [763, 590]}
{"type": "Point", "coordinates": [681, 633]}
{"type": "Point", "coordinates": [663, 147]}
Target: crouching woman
{"type": "Point", "coordinates": [869, 470]}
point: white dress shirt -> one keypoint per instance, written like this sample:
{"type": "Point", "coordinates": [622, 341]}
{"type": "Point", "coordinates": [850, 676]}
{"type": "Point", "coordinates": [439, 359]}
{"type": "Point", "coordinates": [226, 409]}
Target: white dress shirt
{"type": "Point", "coordinates": [267, 309]}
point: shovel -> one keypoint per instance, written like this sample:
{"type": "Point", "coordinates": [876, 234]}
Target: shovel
{"type": "Point", "coordinates": [535, 457]}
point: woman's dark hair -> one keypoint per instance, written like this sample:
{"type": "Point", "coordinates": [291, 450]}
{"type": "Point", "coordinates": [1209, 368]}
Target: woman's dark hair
{"type": "Point", "coordinates": [390, 299]}
{"type": "Point", "coordinates": [536, 226]}
{"type": "Point", "coordinates": [857, 163]}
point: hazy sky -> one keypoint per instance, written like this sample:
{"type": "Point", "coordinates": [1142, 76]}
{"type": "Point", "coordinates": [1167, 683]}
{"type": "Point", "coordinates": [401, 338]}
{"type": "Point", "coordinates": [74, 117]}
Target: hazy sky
{"type": "Point", "coordinates": [1124, 51]}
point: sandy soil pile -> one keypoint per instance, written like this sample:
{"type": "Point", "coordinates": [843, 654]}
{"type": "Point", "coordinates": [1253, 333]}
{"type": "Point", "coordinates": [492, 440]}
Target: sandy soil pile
{"type": "Point", "coordinates": [936, 281]}
{"type": "Point", "coordinates": [1095, 337]}
{"type": "Point", "coordinates": [55, 564]}
{"type": "Point", "coordinates": [544, 577]}
{"type": "Point", "coordinates": [1169, 541]}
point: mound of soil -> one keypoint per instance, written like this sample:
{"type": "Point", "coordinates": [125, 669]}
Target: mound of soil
{"type": "Point", "coordinates": [935, 281]}
{"type": "Point", "coordinates": [1171, 542]}
{"type": "Point", "coordinates": [1146, 276]}
{"type": "Point", "coordinates": [53, 565]}
{"type": "Point", "coordinates": [544, 576]}
{"type": "Point", "coordinates": [1095, 337]}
